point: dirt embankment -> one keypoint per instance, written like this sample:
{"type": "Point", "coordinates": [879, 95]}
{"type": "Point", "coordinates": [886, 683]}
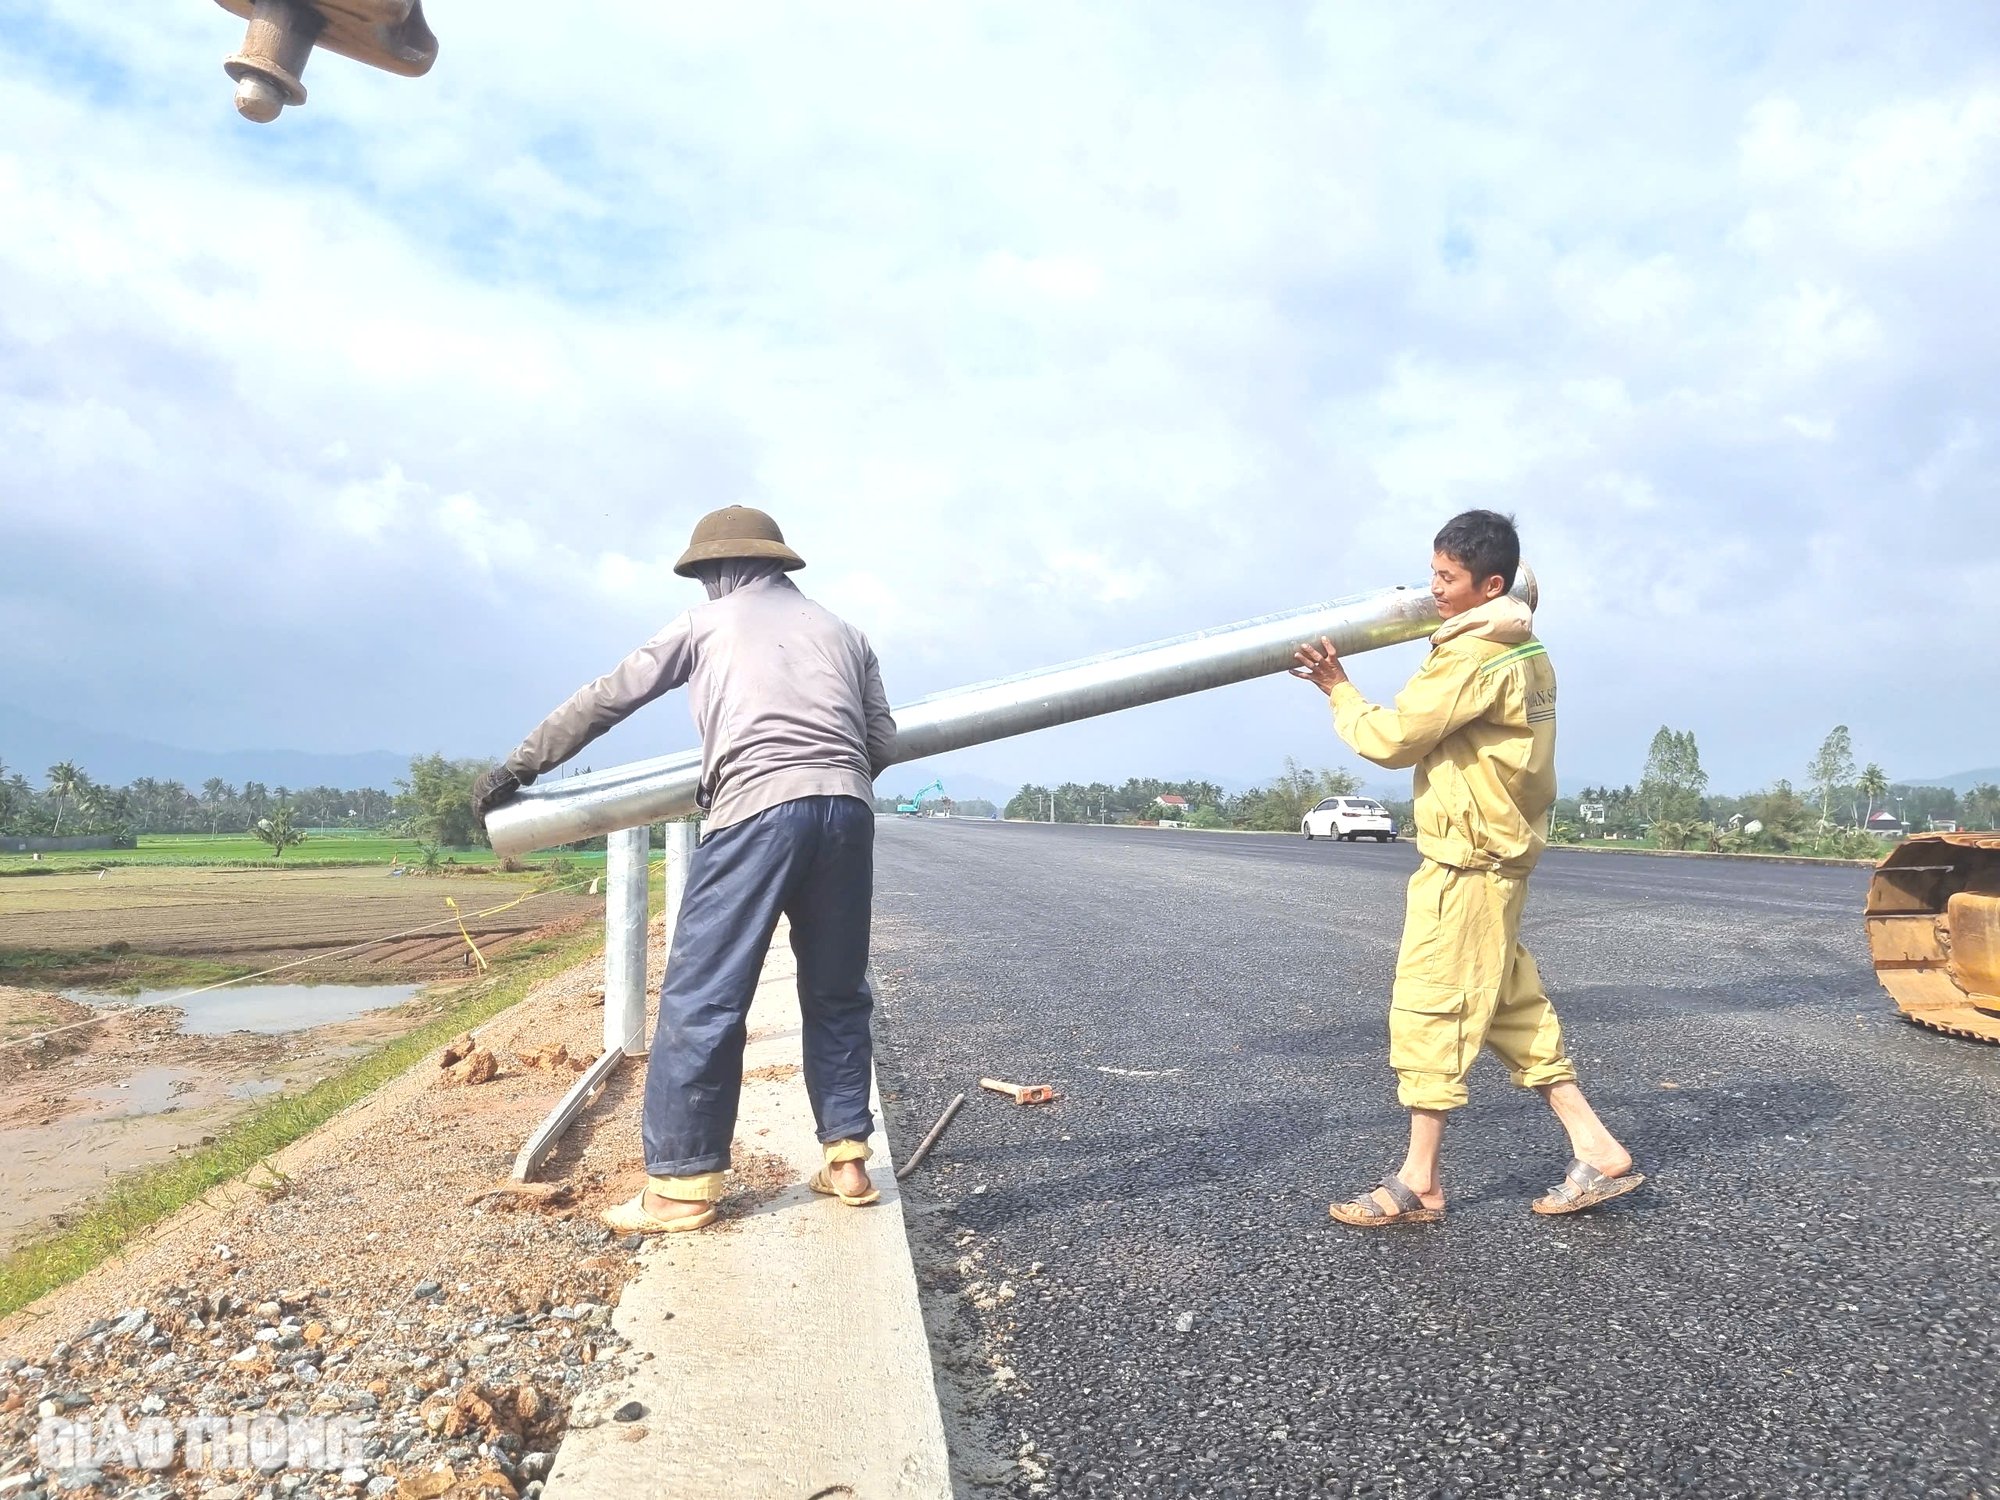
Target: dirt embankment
{"type": "Point", "coordinates": [382, 1272]}
{"type": "Point", "coordinates": [110, 1092]}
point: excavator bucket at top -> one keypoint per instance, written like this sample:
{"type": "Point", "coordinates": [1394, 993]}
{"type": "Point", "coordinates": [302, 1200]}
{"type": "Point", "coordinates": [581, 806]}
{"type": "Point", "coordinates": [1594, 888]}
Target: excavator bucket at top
{"type": "Point", "coordinates": [386, 34]}
{"type": "Point", "coordinates": [1934, 931]}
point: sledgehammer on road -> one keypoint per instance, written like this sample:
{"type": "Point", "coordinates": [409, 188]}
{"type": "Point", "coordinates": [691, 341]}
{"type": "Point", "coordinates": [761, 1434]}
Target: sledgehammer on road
{"type": "Point", "coordinates": [1020, 1093]}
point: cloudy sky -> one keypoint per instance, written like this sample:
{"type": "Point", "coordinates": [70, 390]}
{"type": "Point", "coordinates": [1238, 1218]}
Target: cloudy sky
{"type": "Point", "coordinates": [1042, 329]}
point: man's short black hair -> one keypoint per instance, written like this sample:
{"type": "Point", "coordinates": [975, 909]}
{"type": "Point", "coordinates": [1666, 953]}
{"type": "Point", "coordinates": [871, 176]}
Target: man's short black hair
{"type": "Point", "coordinates": [1484, 543]}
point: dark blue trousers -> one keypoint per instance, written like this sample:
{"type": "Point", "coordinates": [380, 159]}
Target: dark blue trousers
{"type": "Point", "coordinates": [813, 861]}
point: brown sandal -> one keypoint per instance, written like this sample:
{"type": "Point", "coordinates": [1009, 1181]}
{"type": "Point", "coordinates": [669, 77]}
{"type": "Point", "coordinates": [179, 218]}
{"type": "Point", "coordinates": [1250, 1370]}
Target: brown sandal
{"type": "Point", "coordinates": [1365, 1213]}
{"type": "Point", "coordinates": [822, 1183]}
{"type": "Point", "coordinates": [1583, 1186]}
{"type": "Point", "coordinates": [633, 1218]}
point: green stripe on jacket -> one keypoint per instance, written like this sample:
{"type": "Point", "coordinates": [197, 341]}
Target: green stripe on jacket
{"type": "Point", "coordinates": [1519, 653]}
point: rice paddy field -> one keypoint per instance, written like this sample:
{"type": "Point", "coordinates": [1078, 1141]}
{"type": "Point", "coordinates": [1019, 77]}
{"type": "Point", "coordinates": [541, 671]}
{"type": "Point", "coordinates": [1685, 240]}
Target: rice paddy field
{"type": "Point", "coordinates": [157, 1002]}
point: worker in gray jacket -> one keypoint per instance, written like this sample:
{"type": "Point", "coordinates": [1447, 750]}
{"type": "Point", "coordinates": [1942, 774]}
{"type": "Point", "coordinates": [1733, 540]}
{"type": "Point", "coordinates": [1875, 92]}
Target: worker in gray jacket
{"type": "Point", "coordinates": [794, 729]}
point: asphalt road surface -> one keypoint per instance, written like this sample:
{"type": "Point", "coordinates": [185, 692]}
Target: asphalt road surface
{"type": "Point", "coordinates": [1137, 1290]}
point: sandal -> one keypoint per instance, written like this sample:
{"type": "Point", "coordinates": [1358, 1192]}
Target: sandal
{"type": "Point", "coordinates": [1583, 1186]}
{"type": "Point", "coordinates": [633, 1218]}
{"type": "Point", "coordinates": [821, 1183]}
{"type": "Point", "coordinates": [1365, 1213]}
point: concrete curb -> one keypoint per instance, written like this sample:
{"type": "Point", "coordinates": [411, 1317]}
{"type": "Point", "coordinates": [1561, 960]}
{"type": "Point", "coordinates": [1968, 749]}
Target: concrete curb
{"type": "Point", "coordinates": [782, 1352]}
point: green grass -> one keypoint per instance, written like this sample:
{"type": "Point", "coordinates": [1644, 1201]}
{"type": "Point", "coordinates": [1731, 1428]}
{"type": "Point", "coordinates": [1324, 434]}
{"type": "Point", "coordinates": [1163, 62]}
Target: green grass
{"type": "Point", "coordinates": [229, 850]}
{"type": "Point", "coordinates": [113, 969]}
{"type": "Point", "coordinates": [241, 849]}
{"type": "Point", "coordinates": [143, 1199]}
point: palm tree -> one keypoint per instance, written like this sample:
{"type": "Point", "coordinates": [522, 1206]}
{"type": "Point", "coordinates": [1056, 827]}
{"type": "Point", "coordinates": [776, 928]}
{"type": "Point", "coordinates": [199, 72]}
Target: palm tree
{"type": "Point", "coordinates": [214, 792]}
{"type": "Point", "coordinates": [65, 781]}
{"type": "Point", "coordinates": [277, 831]}
{"type": "Point", "coordinates": [1983, 804]}
{"type": "Point", "coordinates": [175, 799]}
{"type": "Point", "coordinates": [145, 795]}
{"type": "Point", "coordinates": [1874, 785]}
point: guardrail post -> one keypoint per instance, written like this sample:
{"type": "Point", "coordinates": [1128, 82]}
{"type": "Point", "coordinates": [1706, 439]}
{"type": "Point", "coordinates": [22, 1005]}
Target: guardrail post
{"type": "Point", "coordinates": [625, 942]}
{"type": "Point", "coordinates": [682, 839]}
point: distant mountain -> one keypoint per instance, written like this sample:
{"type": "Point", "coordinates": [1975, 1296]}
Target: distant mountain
{"type": "Point", "coordinates": [31, 744]}
{"type": "Point", "coordinates": [1962, 781]}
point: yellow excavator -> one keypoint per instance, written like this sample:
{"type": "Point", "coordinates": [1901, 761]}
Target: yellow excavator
{"type": "Point", "coordinates": [1934, 931]}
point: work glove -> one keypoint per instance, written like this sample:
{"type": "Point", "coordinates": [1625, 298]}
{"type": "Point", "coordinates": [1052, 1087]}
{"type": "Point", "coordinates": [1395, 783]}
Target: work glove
{"type": "Point", "coordinates": [495, 787]}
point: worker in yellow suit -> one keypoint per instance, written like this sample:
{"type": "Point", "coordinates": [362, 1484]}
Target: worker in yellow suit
{"type": "Point", "coordinates": [1478, 724]}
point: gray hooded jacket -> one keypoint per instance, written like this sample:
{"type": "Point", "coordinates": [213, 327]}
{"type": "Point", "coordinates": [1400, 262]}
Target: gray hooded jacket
{"type": "Point", "coordinates": [788, 698]}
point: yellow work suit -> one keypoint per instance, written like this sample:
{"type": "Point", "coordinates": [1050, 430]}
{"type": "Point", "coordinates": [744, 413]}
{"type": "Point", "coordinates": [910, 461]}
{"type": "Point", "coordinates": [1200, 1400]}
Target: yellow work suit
{"type": "Point", "coordinates": [1478, 724]}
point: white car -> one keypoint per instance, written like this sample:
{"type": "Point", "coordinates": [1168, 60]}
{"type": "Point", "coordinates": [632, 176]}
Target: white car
{"type": "Point", "coordinates": [1349, 818]}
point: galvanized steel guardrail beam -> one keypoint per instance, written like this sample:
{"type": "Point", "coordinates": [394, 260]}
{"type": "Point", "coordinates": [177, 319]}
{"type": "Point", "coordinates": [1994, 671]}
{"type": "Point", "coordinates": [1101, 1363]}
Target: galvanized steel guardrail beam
{"type": "Point", "coordinates": [646, 791]}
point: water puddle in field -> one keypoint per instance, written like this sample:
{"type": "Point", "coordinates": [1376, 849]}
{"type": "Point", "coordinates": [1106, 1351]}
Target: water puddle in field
{"type": "Point", "coordinates": [147, 1092]}
{"type": "Point", "coordinates": [270, 1008]}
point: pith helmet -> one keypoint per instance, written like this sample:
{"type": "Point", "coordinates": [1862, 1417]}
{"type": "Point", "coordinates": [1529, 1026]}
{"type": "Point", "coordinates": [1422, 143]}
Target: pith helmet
{"type": "Point", "coordinates": [736, 531]}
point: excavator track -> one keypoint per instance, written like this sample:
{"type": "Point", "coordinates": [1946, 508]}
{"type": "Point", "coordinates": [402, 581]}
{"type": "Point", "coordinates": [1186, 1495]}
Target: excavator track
{"type": "Point", "coordinates": [1972, 1025]}
{"type": "Point", "coordinates": [1933, 919]}
{"type": "Point", "coordinates": [1990, 1036]}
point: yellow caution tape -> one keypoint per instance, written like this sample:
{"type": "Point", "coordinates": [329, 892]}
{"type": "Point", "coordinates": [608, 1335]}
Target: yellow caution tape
{"type": "Point", "coordinates": [466, 935]}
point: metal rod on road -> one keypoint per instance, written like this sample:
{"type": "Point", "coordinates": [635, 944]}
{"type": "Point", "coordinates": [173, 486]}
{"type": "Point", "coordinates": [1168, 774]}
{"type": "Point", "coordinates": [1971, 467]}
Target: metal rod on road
{"type": "Point", "coordinates": [936, 1133]}
{"type": "Point", "coordinates": [625, 942]}
{"type": "Point", "coordinates": [579, 807]}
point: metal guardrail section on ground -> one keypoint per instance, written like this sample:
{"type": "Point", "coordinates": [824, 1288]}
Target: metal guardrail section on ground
{"type": "Point", "coordinates": [626, 918]}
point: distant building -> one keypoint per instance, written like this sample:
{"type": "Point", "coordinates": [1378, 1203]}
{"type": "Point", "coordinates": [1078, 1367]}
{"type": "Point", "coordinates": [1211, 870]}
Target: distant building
{"type": "Point", "coordinates": [1942, 825]}
{"type": "Point", "coordinates": [1886, 824]}
{"type": "Point", "coordinates": [1173, 802]}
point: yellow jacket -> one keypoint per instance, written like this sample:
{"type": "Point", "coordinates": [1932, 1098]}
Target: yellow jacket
{"type": "Point", "coordinates": [1479, 724]}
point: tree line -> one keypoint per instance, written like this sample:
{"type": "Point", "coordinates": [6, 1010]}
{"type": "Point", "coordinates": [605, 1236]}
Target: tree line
{"type": "Point", "coordinates": [1278, 805]}
{"type": "Point", "coordinates": [434, 803]}
{"type": "Point", "coordinates": [1672, 807]}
